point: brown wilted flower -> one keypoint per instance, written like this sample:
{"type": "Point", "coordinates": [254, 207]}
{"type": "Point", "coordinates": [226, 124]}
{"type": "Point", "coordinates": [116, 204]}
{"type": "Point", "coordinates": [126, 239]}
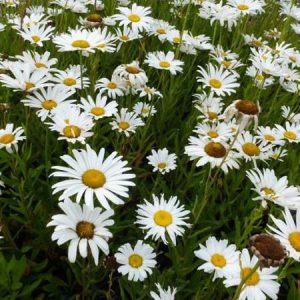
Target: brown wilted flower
{"type": "Point", "coordinates": [268, 249]}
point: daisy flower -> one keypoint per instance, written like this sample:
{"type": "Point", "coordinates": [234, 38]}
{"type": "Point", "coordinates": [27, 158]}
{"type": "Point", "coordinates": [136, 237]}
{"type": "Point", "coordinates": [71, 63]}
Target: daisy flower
{"type": "Point", "coordinates": [92, 175]}
{"type": "Point", "coordinates": [84, 227]}
{"type": "Point", "coordinates": [160, 28]}
{"type": "Point", "coordinates": [162, 61]}
{"type": "Point", "coordinates": [114, 87]}
{"type": "Point", "coordinates": [162, 218]}
{"type": "Point", "coordinates": [136, 18]}
{"type": "Point", "coordinates": [162, 161]}
{"type": "Point", "coordinates": [288, 232]}
{"type": "Point", "coordinates": [45, 100]}
{"type": "Point", "coordinates": [269, 135]}
{"type": "Point", "coordinates": [269, 187]}
{"type": "Point", "coordinates": [216, 154]}
{"type": "Point", "coordinates": [105, 40]}
{"type": "Point", "coordinates": [37, 33]}
{"type": "Point", "coordinates": [260, 284]}
{"type": "Point", "coordinates": [214, 132]}
{"type": "Point", "coordinates": [144, 109]}
{"type": "Point", "coordinates": [247, 7]}
{"type": "Point", "coordinates": [25, 78]}
{"type": "Point", "coordinates": [72, 124]}
{"type": "Point", "coordinates": [71, 78]}
{"type": "Point", "coordinates": [137, 262]}
{"type": "Point", "coordinates": [126, 122]}
{"type": "Point", "coordinates": [291, 132]}
{"type": "Point", "coordinates": [149, 92]}
{"type": "Point", "coordinates": [168, 294]}
{"type": "Point", "coordinates": [125, 35]}
{"type": "Point", "coordinates": [219, 256]}
{"type": "Point", "coordinates": [9, 137]}
{"type": "Point", "coordinates": [100, 108]}
{"type": "Point", "coordinates": [220, 81]}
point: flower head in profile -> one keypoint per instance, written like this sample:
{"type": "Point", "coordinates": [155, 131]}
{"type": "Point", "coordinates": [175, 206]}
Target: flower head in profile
{"type": "Point", "coordinates": [84, 227]}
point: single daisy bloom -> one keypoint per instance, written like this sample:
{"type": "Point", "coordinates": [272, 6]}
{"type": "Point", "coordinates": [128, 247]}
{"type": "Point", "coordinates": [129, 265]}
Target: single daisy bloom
{"type": "Point", "coordinates": [162, 218]}
{"type": "Point", "coordinates": [137, 18]}
{"type": "Point", "coordinates": [126, 122]}
{"type": "Point", "coordinates": [88, 174]}
{"type": "Point", "coordinates": [261, 284]}
{"type": "Point", "coordinates": [220, 81]}
{"type": "Point", "coordinates": [216, 154]}
{"type": "Point", "coordinates": [84, 227]}
{"type": "Point", "coordinates": [36, 34]}
{"type": "Point", "coordinates": [244, 111]}
{"type": "Point", "coordinates": [163, 294]}
{"type": "Point", "coordinates": [162, 161]}
{"type": "Point", "coordinates": [291, 132]}
{"type": "Point", "coordinates": [288, 232]}
{"type": "Point", "coordinates": [248, 7]}
{"type": "Point", "coordinates": [9, 137]}
{"type": "Point", "coordinates": [144, 109]}
{"type": "Point", "coordinates": [149, 92]}
{"type": "Point", "coordinates": [268, 135]}
{"type": "Point", "coordinates": [269, 187]}
{"type": "Point", "coordinates": [71, 78]}
{"type": "Point", "coordinates": [219, 256]}
{"type": "Point", "coordinates": [162, 61]}
{"type": "Point", "coordinates": [24, 78]}
{"type": "Point", "coordinates": [113, 88]}
{"type": "Point", "coordinates": [136, 262]}
{"type": "Point", "coordinates": [72, 124]}
{"type": "Point", "coordinates": [131, 74]}
{"type": "Point", "coordinates": [250, 148]}
{"type": "Point", "coordinates": [214, 132]}
{"type": "Point", "coordinates": [100, 108]}
{"type": "Point", "coordinates": [125, 35]}
{"type": "Point", "coordinates": [45, 100]}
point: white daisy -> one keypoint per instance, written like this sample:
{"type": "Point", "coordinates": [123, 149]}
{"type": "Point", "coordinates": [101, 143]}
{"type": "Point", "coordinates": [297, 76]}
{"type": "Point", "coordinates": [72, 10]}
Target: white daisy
{"type": "Point", "coordinates": [9, 137]}
{"type": "Point", "coordinates": [92, 175]}
{"type": "Point", "coordinates": [214, 132]}
{"type": "Point", "coordinates": [114, 87]}
{"type": "Point", "coordinates": [162, 161]}
{"type": "Point", "coordinates": [162, 61]}
{"type": "Point", "coordinates": [269, 187]}
{"type": "Point", "coordinates": [220, 258]}
{"type": "Point", "coordinates": [290, 132]}
{"type": "Point", "coordinates": [84, 227]}
{"type": "Point", "coordinates": [126, 122]}
{"type": "Point", "coordinates": [260, 284]}
{"type": "Point", "coordinates": [168, 294]}
{"type": "Point", "coordinates": [137, 262]}
{"type": "Point", "coordinates": [269, 135]}
{"type": "Point", "coordinates": [144, 109]}
{"type": "Point", "coordinates": [162, 218]}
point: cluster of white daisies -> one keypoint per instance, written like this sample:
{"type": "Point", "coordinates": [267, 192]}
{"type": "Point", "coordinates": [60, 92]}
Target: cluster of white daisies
{"type": "Point", "coordinates": [223, 136]}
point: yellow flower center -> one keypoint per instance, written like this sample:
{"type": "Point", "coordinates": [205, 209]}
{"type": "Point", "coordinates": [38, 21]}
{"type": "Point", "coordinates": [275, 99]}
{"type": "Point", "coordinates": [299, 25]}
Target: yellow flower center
{"type": "Point", "coordinates": [216, 150]}
{"type": "Point", "coordinates": [251, 149]}
{"type": "Point", "coordinates": [134, 18]}
{"type": "Point", "coordinates": [145, 110]}
{"type": "Point", "coordinates": [40, 65]}
{"type": "Point", "coordinates": [161, 31]}
{"type": "Point", "coordinates": [269, 138]}
{"type": "Point", "coordinates": [7, 138]}
{"type": "Point", "coordinates": [29, 85]}
{"type": "Point", "coordinates": [85, 230]}
{"type": "Point", "coordinates": [164, 64]}
{"type": "Point", "coordinates": [101, 45]}
{"type": "Point", "coordinates": [132, 70]}
{"type": "Point", "coordinates": [253, 279]}
{"type": "Point", "coordinates": [123, 125]}
{"type": "Point", "coordinates": [212, 115]}
{"type": "Point", "coordinates": [98, 111]}
{"type": "Point", "coordinates": [212, 134]}
{"type": "Point", "coordinates": [95, 18]}
{"type": "Point", "coordinates": [93, 178]}
{"type": "Point", "coordinates": [124, 38]}
{"type": "Point", "coordinates": [218, 260]}
{"type": "Point", "coordinates": [69, 81]}
{"type": "Point", "coordinates": [290, 135]}
{"type": "Point", "coordinates": [162, 165]}
{"type": "Point", "coordinates": [215, 83]}
{"type": "Point", "coordinates": [111, 85]}
{"type": "Point", "coordinates": [259, 77]}
{"type": "Point", "coordinates": [49, 104]}
{"type": "Point", "coordinates": [243, 7]}
{"type": "Point", "coordinates": [177, 40]}
{"type": "Point", "coordinates": [135, 260]}
{"type": "Point", "coordinates": [294, 239]}
{"type": "Point", "coordinates": [35, 38]}
{"type": "Point", "coordinates": [82, 44]}
{"type": "Point", "coordinates": [163, 218]}
{"type": "Point", "coordinates": [226, 63]}
{"type": "Point", "coordinates": [269, 192]}
{"type": "Point", "coordinates": [72, 131]}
